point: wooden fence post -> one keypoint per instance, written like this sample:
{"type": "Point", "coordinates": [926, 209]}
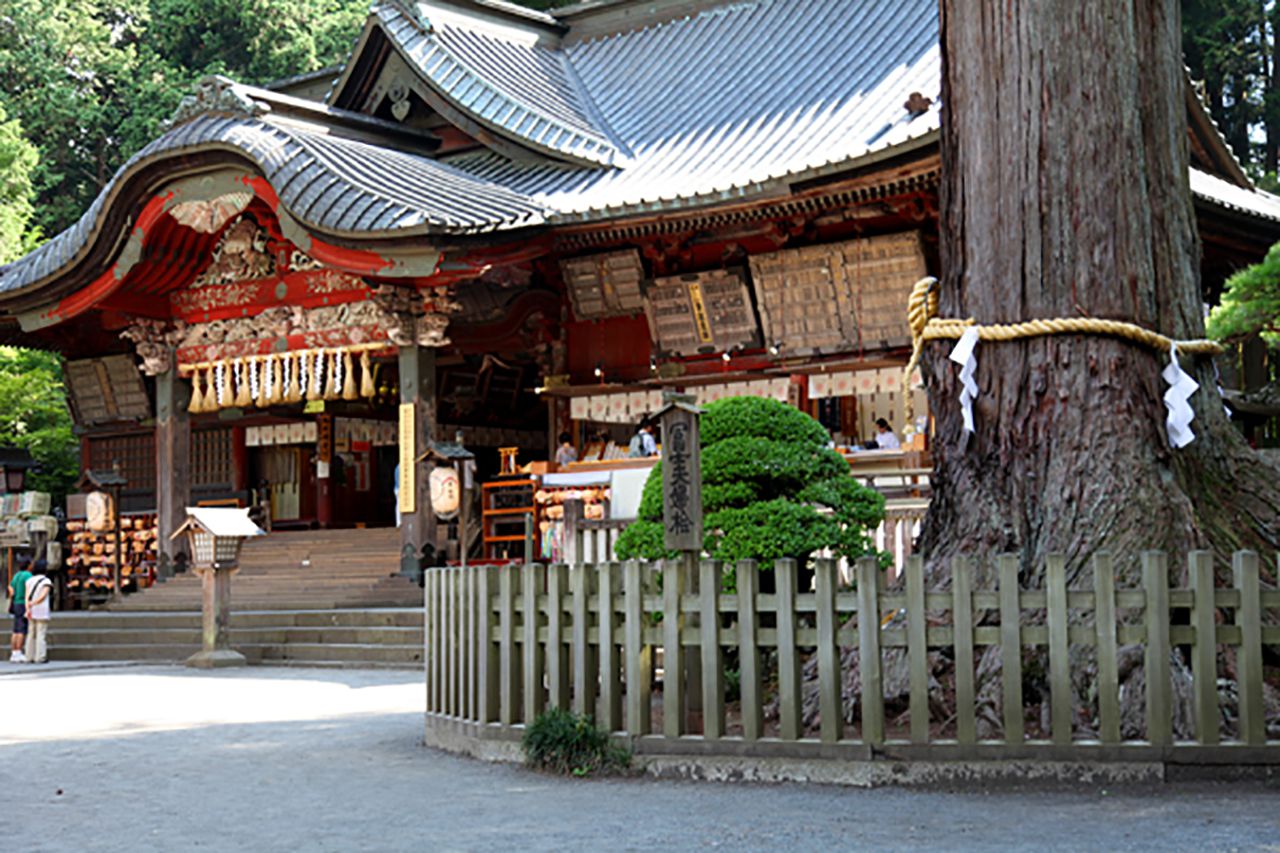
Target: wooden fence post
{"type": "Point", "coordinates": [1155, 578]}
{"type": "Point", "coordinates": [509, 679]}
{"type": "Point", "coordinates": [1059, 647]}
{"type": "Point", "coordinates": [712, 663]}
{"type": "Point", "coordinates": [607, 650]}
{"type": "Point", "coordinates": [917, 651]}
{"type": "Point", "coordinates": [639, 661]}
{"type": "Point", "coordinates": [488, 700]}
{"type": "Point", "coordinates": [573, 514]}
{"type": "Point", "coordinates": [1104, 592]}
{"type": "Point", "coordinates": [748, 585]}
{"type": "Point", "coordinates": [470, 645]}
{"type": "Point", "coordinates": [450, 646]}
{"type": "Point", "coordinates": [869, 650]}
{"type": "Point", "coordinates": [829, 681]}
{"type": "Point", "coordinates": [557, 653]}
{"type": "Point", "coordinates": [428, 639]}
{"type": "Point", "coordinates": [531, 587]}
{"type": "Point", "coordinates": [1253, 722]}
{"type": "Point", "coordinates": [1204, 654]}
{"type": "Point", "coordinates": [788, 656]}
{"type": "Point", "coordinates": [962, 639]}
{"type": "Point", "coordinates": [584, 658]}
{"type": "Point", "coordinates": [672, 650]}
{"type": "Point", "coordinates": [1011, 647]}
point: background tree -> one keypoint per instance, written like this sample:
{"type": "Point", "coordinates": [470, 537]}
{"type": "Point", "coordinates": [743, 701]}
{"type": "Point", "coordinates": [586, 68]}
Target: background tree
{"type": "Point", "coordinates": [17, 162]}
{"type": "Point", "coordinates": [767, 477]}
{"type": "Point", "coordinates": [34, 416]}
{"type": "Point", "coordinates": [1250, 304]}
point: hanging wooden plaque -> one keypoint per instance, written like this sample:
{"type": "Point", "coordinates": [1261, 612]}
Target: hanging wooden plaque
{"type": "Point", "coordinates": [408, 455]}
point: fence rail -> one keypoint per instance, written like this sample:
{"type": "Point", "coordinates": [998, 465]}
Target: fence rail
{"type": "Point", "coordinates": [504, 644]}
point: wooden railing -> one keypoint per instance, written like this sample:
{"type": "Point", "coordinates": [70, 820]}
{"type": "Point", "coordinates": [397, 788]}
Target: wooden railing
{"type": "Point", "coordinates": [590, 540]}
{"type": "Point", "coordinates": [504, 644]}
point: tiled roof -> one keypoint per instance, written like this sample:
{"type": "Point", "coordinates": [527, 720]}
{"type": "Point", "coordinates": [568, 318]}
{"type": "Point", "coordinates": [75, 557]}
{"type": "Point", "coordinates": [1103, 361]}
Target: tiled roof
{"type": "Point", "coordinates": [1226, 194]}
{"type": "Point", "coordinates": [326, 182]}
{"type": "Point", "coordinates": [517, 87]}
{"type": "Point", "coordinates": [739, 99]}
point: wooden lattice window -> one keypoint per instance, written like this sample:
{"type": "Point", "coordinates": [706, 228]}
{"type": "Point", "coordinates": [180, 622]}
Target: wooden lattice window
{"type": "Point", "coordinates": [212, 461]}
{"type": "Point", "coordinates": [135, 453]}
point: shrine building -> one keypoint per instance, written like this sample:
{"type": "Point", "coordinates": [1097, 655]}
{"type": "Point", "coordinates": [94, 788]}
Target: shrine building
{"type": "Point", "coordinates": [493, 226]}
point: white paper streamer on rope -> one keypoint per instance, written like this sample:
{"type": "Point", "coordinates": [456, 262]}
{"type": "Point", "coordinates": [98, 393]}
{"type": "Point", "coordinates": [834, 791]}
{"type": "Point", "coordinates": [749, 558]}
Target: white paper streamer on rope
{"type": "Point", "coordinates": [963, 355]}
{"type": "Point", "coordinates": [1181, 387]}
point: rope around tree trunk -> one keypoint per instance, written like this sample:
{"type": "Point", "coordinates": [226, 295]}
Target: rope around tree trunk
{"type": "Point", "coordinates": [926, 325]}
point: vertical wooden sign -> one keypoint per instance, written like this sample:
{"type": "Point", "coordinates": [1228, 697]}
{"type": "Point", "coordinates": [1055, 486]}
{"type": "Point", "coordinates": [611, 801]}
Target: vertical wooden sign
{"type": "Point", "coordinates": [681, 478]}
{"type": "Point", "coordinates": [408, 453]}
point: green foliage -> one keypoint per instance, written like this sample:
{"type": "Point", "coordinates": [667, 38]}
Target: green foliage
{"type": "Point", "coordinates": [1250, 303]}
{"type": "Point", "coordinates": [18, 159]}
{"type": "Point", "coordinates": [771, 488]}
{"type": "Point", "coordinates": [34, 415]}
{"type": "Point", "coordinates": [562, 742]}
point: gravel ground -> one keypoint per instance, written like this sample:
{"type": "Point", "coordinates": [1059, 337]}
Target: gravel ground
{"type": "Point", "coordinates": [163, 758]}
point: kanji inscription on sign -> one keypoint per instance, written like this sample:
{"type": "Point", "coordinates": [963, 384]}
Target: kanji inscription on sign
{"type": "Point", "coordinates": [681, 478]}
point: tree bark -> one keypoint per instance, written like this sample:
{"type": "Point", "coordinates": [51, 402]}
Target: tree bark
{"type": "Point", "coordinates": [1064, 194]}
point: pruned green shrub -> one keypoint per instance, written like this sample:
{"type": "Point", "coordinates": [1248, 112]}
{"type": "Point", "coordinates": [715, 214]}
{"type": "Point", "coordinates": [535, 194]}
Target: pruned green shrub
{"type": "Point", "coordinates": [771, 488]}
{"type": "Point", "coordinates": [560, 741]}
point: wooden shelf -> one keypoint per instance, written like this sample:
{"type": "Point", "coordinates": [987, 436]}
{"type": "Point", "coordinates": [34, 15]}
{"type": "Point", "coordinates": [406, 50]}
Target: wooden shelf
{"type": "Point", "coordinates": [491, 516]}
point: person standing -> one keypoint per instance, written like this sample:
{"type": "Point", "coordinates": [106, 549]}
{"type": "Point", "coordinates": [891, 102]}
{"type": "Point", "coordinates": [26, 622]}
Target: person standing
{"type": "Point", "coordinates": [18, 607]}
{"type": "Point", "coordinates": [643, 443]}
{"type": "Point", "coordinates": [38, 588]}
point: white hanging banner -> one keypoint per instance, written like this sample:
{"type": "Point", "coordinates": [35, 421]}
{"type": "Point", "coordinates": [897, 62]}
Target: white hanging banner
{"type": "Point", "coordinates": [963, 355]}
{"type": "Point", "coordinates": [1181, 387]}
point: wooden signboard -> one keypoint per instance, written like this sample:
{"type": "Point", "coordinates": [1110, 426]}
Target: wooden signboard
{"type": "Point", "coordinates": [681, 479]}
{"type": "Point", "coordinates": [605, 285]}
{"type": "Point", "coordinates": [408, 454]}
{"type": "Point", "coordinates": [703, 313]}
{"type": "Point", "coordinates": [839, 296]}
{"type": "Point", "coordinates": [107, 389]}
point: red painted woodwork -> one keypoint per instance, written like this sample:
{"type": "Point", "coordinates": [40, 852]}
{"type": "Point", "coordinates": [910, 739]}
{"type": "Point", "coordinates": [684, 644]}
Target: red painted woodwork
{"type": "Point", "coordinates": [619, 345]}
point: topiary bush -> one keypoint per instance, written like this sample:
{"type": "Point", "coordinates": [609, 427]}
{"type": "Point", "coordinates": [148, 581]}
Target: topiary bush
{"type": "Point", "coordinates": [560, 741]}
{"type": "Point", "coordinates": [771, 488]}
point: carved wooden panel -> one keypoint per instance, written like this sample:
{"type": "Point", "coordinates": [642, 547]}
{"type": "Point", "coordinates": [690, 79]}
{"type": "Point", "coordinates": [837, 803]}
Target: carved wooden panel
{"type": "Point", "coordinates": [703, 313]}
{"type": "Point", "coordinates": [839, 296]}
{"type": "Point", "coordinates": [606, 285]}
{"type": "Point", "coordinates": [107, 389]}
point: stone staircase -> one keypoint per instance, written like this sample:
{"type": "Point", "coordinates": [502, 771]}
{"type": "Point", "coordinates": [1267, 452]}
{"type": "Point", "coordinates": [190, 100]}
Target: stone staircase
{"type": "Point", "coordinates": [300, 570]}
{"type": "Point", "coordinates": [301, 598]}
{"type": "Point", "coordinates": [347, 638]}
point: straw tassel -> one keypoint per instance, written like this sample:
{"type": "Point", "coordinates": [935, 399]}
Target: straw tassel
{"type": "Point", "coordinates": [242, 384]}
{"type": "Point", "coordinates": [349, 377]}
{"type": "Point", "coordinates": [197, 399]}
{"type": "Point", "coordinates": [367, 389]}
{"type": "Point", "coordinates": [210, 393]}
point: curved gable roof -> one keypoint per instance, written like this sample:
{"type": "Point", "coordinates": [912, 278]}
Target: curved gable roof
{"type": "Point", "coordinates": [510, 81]}
{"type": "Point", "coordinates": [329, 184]}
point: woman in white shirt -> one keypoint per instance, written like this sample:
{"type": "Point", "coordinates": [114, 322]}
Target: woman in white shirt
{"type": "Point", "coordinates": [885, 439]}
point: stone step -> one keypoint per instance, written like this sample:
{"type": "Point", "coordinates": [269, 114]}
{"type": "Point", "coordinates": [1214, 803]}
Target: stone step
{"type": "Point", "coordinates": [406, 617]}
{"type": "Point", "coordinates": [376, 636]}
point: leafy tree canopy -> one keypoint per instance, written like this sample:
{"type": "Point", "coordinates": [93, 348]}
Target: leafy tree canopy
{"type": "Point", "coordinates": [771, 488]}
{"type": "Point", "coordinates": [1250, 303]}
{"type": "Point", "coordinates": [17, 162]}
{"type": "Point", "coordinates": [34, 416]}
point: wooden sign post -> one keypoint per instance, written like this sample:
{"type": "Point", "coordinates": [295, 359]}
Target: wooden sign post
{"type": "Point", "coordinates": [681, 474]}
{"type": "Point", "coordinates": [682, 531]}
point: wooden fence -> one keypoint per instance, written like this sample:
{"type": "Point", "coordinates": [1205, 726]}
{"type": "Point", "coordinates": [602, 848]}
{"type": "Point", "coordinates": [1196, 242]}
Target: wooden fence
{"type": "Point", "coordinates": [503, 644]}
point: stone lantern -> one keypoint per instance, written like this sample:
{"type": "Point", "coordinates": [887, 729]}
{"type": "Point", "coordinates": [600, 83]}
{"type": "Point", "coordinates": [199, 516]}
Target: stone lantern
{"type": "Point", "coordinates": [215, 536]}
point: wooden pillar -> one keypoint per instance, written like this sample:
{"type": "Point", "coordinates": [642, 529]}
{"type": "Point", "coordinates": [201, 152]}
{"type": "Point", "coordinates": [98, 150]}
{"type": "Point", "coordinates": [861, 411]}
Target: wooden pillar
{"type": "Point", "coordinates": [418, 389]}
{"type": "Point", "coordinates": [173, 470]}
{"type": "Point", "coordinates": [324, 484]}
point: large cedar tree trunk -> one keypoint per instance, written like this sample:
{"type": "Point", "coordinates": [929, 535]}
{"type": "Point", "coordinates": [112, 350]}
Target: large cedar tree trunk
{"type": "Point", "coordinates": [1065, 194]}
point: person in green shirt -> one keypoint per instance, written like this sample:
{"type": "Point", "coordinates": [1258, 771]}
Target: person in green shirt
{"type": "Point", "coordinates": [18, 595]}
